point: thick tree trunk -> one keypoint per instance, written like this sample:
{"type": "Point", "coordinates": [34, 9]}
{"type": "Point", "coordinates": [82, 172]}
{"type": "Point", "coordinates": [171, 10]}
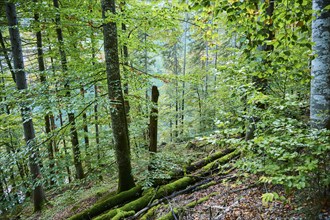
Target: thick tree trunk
{"type": "Point", "coordinates": [118, 113]}
{"type": "Point", "coordinates": [153, 124]}
{"type": "Point", "coordinates": [21, 83]}
{"type": "Point", "coordinates": [74, 134]}
{"type": "Point", "coordinates": [320, 85]}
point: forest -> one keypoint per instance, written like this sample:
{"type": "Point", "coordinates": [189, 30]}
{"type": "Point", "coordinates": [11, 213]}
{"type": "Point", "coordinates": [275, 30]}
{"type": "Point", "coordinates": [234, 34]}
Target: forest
{"type": "Point", "coordinates": [164, 109]}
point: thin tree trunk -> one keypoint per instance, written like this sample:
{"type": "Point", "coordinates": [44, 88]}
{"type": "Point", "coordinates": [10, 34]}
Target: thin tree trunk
{"type": "Point", "coordinates": [97, 132]}
{"type": "Point", "coordinates": [41, 65]}
{"type": "Point", "coordinates": [65, 148]}
{"type": "Point", "coordinates": [74, 135]}
{"type": "Point", "coordinates": [4, 49]}
{"type": "Point", "coordinates": [126, 63]}
{"type": "Point", "coordinates": [21, 83]}
{"type": "Point", "coordinates": [153, 124]}
{"type": "Point", "coordinates": [2, 192]}
{"type": "Point", "coordinates": [184, 72]}
{"type": "Point", "coordinates": [86, 138]}
{"type": "Point", "coordinates": [118, 113]}
{"type": "Point", "coordinates": [176, 72]}
{"type": "Point", "coordinates": [261, 83]}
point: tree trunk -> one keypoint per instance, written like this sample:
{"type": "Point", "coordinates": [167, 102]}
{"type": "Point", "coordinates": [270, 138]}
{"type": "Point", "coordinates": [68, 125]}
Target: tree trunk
{"type": "Point", "coordinates": [126, 63]}
{"type": "Point", "coordinates": [74, 135]}
{"type": "Point", "coordinates": [184, 72]}
{"type": "Point", "coordinates": [176, 72]}
{"type": "Point", "coordinates": [21, 83]}
{"type": "Point", "coordinates": [153, 124]}
{"type": "Point", "coordinates": [320, 85]}
{"type": "Point", "coordinates": [2, 193]}
{"type": "Point", "coordinates": [4, 49]}
{"type": "Point", "coordinates": [118, 113]}
{"type": "Point", "coordinates": [65, 149]}
{"type": "Point", "coordinates": [86, 138]}
{"type": "Point", "coordinates": [41, 65]}
{"type": "Point", "coordinates": [261, 83]}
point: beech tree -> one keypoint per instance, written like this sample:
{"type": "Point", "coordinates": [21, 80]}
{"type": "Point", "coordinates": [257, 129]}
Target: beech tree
{"type": "Point", "coordinates": [118, 113]}
{"type": "Point", "coordinates": [73, 130]}
{"type": "Point", "coordinates": [320, 85]}
{"type": "Point", "coordinates": [21, 83]}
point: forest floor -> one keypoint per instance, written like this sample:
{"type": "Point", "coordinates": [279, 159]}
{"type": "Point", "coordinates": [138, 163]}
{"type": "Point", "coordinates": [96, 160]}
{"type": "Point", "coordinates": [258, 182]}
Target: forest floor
{"type": "Point", "coordinates": [233, 199]}
{"type": "Point", "coordinates": [234, 195]}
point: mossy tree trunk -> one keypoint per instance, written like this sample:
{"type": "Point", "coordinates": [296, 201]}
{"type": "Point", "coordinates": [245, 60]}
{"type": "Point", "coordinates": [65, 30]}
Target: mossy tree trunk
{"type": "Point", "coordinates": [118, 113]}
{"type": "Point", "coordinates": [153, 124]}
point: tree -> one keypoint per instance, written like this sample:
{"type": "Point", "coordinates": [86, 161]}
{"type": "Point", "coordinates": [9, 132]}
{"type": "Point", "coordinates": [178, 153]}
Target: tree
{"type": "Point", "coordinates": [320, 85]}
{"type": "Point", "coordinates": [21, 83]}
{"type": "Point", "coordinates": [118, 113]}
{"type": "Point", "coordinates": [41, 65]}
{"type": "Point", "coordinates": [153, 124]}
{"type": "Point", "coordinates": [73, 130]}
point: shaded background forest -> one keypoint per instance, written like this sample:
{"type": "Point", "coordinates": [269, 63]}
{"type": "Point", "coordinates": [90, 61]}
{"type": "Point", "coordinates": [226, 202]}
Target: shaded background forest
{"type": "Point", "coordinates": [231, 72]}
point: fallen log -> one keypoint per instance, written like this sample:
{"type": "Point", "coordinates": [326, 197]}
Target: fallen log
{"type": "Point", "coordinates": [165, 190]}
{"type": "Point", "coordinates": [109, 203]}
{"type": "Point", "coordinates": [197, 165]}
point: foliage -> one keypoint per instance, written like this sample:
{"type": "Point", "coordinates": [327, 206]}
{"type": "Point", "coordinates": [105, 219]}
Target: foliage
{"type": "Point", "coordinates": [203, 56]}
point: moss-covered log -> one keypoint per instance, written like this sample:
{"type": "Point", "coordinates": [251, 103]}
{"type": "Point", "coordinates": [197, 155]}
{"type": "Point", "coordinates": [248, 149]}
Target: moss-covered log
{"type": "Point", "coordinates": [215, 165]}
{"type": "Point", "coordinates": [150, 213]}
{"type": "Point", "coordinates": [197, 165]}
{"type": "Point", "coordinates": [167, 189]}
{"type": "Point", "coordinates": [151, 194]}
{"type": "Point", "coordinates": [109, 203]}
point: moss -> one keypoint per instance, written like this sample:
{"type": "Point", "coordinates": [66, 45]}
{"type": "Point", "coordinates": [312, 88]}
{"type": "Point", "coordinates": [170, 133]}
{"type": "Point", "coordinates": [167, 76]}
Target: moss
{"type": "Point", "coordinates": [107, 204]}
{"type": "Point", "coordinates": [207, 185]}
{"type": "Point", "coordinates": [150, 213]}
{"type": "Point", "coordinates": [121, 215]}
{"type": "Point", "coordinates": [174, 186]}
{"type": "Point", "coordinates": [132, 206]}
{"type": "Point", "coordinates": [214, 165]}
{"type": "Point", "coordinates": [164, 190]}
{"type": "Point", "coordinates": [196, 165]}
{"type": "Point", "coordinates": [143, 201]}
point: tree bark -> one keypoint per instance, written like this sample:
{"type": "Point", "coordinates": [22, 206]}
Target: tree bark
{"type": "Point", "coordinates": [65, 149]}
{"type": "Point", "coordinates": [41, 65]}
{"type": "Point", "coordinates": [320, 85]}
{"type": "Point", "coordinates": [118, 113]}
{"type": "Point", "coordinates": [21, 83]}
{"type": "Point", "coordinates": [153, 124]}
{"type": "Point", "coordinates": [74, 135]}
{"type": "Point", "coordinates": [86, 138]}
